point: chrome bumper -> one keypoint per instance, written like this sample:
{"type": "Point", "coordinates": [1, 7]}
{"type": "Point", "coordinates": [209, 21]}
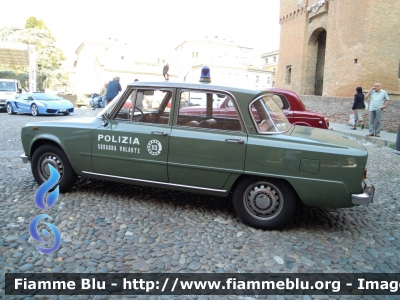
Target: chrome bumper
{"type": "Point", "coordinates": [366, 197]}
{"type": "Point", "coordinates": [24, 158]}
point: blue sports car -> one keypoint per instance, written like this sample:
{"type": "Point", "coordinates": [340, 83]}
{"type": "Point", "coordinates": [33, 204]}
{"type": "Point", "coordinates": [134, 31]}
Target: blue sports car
{"type": "Point", "coordinates": [39, 104]}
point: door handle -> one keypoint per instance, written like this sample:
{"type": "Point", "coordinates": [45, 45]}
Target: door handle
{"type": "Point", "coordinates": [240, 141]}
{"type": "Point", "coordinates": [163, 133]}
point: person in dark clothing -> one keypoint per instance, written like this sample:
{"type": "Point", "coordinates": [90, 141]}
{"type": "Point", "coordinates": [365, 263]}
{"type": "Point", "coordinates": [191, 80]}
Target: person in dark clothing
{"type": "Point", "coordinates": [358, 107]}
{"type": "Point", "coordinates": [113, 88]}
{"type": "Point", "coordinates": [165, 72]}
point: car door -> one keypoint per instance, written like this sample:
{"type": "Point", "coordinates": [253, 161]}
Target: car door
{"type": "Point", "coordinates": [134, 143]}
{"type": "Point", "coordinates": [23, 103]}
{"type": "Point", "coordinates": [205, 151]}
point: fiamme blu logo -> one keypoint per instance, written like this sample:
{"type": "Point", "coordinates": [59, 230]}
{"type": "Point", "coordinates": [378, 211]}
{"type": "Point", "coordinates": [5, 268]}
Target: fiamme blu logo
{"type": "Point", "coordinates": [40, 198]}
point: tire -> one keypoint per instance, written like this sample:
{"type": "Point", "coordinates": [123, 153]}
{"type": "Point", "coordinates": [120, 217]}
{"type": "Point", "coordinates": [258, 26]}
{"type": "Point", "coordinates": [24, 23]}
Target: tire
{"type": "Point", "coordinates": [65, 114]}
{"type": "Point", "coordinates": [10, 109]}
{"type": "Point", "coordinates": [34, 110]}
{"type": "Point", "coordinates": [56, 157]}
{"type": "Point", "coordinates": [264, 203]}
{"type": "Point", "coordinates": [92, 107]}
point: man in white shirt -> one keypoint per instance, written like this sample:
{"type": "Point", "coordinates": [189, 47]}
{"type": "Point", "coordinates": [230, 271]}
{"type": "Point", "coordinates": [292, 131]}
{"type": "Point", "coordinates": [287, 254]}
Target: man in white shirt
{"type": "Point", "coordinates": [376, 107]}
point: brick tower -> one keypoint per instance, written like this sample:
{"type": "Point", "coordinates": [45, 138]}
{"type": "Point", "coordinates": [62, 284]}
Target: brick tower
{"type": "Point", "coordinates": [329, 47]}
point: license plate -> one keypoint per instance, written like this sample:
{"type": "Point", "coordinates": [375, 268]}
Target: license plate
{"type": "Point", "coordinates": [62, 110]}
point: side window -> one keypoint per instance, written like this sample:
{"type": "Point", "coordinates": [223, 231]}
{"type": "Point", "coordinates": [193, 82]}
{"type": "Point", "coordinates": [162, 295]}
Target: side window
{"type": "Point", "coordinates": [282, 102]}
{"type": "Point", "coordinates": [208, 110]}
{"type": "Point", "coordinates": [146, 106]}
{"type": "Point", "coordinates": [268, 116]}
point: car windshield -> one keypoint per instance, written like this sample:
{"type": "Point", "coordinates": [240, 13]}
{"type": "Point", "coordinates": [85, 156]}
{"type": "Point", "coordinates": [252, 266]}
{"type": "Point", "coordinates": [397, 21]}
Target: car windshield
{"type": "Point", "coordinates": [45, 97]}
{"type": "Point", "coordinates": [7, 86]}
{"type": "Point", "coordinates": [268, 116]}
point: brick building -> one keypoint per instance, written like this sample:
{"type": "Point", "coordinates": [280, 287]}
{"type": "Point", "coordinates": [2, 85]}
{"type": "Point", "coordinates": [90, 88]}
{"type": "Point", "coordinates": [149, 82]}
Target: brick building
{"type": "Point", "coordinates": [329, 47]}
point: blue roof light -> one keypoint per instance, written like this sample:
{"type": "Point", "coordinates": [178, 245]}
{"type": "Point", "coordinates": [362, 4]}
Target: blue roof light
{"type": "Point", "coordinates": [205, 75]}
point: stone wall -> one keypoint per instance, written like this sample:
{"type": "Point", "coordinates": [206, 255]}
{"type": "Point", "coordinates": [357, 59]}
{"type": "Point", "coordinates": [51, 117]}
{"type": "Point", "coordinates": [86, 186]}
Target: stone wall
{"type": "Point", "coordinates": [337, 110]}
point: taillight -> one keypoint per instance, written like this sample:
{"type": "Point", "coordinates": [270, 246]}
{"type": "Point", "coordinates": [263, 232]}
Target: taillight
{"type": "Point", "coordinates": [365, 173]}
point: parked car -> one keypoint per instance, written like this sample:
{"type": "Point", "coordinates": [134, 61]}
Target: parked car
{"type": "Point", "coordinates": [39, 104]}
{"type": "Point", "coordinates": [255, 155]}
{"type": "Point", "coordinates": [288, 101]}
{"type": "Point", "coordinates": [9, 89]}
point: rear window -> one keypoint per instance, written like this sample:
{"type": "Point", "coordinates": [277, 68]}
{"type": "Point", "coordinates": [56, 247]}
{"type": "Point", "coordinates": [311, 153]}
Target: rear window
{"type": "Point", "coordinates": [268, 116]}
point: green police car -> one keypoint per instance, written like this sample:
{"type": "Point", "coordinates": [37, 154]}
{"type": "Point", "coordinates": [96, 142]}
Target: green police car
{"type": "Point", "coordinates": [146, 137]}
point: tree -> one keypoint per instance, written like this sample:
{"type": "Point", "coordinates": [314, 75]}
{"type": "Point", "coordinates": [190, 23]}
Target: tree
{"type": "Point", "coordinates": [49, 57]}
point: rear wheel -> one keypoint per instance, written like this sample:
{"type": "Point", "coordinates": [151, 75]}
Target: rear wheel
{"type": "Point", "coordinates": [91, 105]}
{"type": "Point", "coordinates": [34, 110]}
{"type": "Point", "coordinates": [50, 154]}
{"type": "Point", "coordinates": [265, 203]}
{"type": "Point", "coordinates": [10, 109]}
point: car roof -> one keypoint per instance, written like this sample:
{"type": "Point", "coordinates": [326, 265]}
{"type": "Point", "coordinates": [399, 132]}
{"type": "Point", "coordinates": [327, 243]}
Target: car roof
{"type": "Point", "coordinates": [194, 85]}
{"type": "Point", "coordinates": [190, 85]}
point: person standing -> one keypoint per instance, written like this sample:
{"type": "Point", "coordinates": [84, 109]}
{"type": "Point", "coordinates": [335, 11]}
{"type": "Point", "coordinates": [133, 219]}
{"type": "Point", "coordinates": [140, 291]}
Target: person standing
{"type": "Point", "coordinates": [376, 107]}
{"type": "Point", "coordinates": [103, 90]}
{"type": "Point", "coordinates": [113, 88]}
{"type": "Point", "coordinates": [165, 72]}
{"type": "Point", "coordinates": [358, 108]}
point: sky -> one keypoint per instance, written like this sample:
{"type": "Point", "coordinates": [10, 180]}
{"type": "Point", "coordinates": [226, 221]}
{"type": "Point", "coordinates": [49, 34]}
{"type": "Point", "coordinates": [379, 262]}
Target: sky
{"type": "Point", "coordinates": [151, 23]}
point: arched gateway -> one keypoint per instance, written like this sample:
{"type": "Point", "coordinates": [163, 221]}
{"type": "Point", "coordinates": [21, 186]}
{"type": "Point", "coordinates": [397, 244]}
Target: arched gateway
{"type": "Point", "coordinates": [315, 66]}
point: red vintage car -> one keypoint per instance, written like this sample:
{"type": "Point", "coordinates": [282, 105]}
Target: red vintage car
{"type": "Point", "coordinates": [288, 101]}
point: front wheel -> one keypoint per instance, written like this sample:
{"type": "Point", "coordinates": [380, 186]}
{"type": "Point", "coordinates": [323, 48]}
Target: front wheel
{"type": "Point", "coordinates": [264, 203]}
{"type": "Point", "coordinates": [34, 110]}
{"type": "Point", "coordinates": [10, 109]}
{"type": "Point", "coordinates": [50, 154]}
{"type": "Point", "coordinates": [92, 106]}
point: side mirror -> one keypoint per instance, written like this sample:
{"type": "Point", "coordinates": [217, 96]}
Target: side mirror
{"type": "Point", "coordinates": [20, 91]}
{"type": "Point", "coordinates": [106, 118]}
{"type": "Point", "coordinates": [30, 98]}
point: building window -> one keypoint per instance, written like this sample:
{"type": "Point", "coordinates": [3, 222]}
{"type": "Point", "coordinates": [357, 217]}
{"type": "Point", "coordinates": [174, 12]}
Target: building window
{"type": "Point", "coordinates": [257, 79]}
{"type": "Point", "coordinates": [268, 80]}
{"type": "Point", "coordinates": [122, 57]}
{"type": "Point", "coordinates": [274, 58]}
{"type": "Point", "coordinates": [288, 74]}
{"type": "Point", "coordinates": [266, 60]}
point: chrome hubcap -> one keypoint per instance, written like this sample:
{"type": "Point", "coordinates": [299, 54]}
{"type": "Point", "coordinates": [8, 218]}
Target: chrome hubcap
{"type": "Point", "coordinates": [9, 108]}
{"type": "Point", "coordinates": [34, 110]}
{"type": "Point", "coordinates": [263, 200]}
{"type": "Point", "coordinates": [44, 162]}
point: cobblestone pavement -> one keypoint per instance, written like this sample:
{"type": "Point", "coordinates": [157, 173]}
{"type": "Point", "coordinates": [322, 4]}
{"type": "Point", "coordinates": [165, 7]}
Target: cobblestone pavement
{"type": "Point", "coordinates": [110, 227]}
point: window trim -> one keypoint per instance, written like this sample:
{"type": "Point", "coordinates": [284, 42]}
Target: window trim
{"type": "Point", "coordinates": [215, 91]}
{"type": "Point", "coordinates": [114, 111]}
{"type": "Point", "coordinates": [255, 123]}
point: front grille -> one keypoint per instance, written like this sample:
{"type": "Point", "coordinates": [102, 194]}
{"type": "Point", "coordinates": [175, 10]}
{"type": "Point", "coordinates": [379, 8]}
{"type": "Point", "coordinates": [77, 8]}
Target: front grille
{"type": "Point", "coordinates": [51, 111]}
{"type": "Point", "coordinates": [70, 110]}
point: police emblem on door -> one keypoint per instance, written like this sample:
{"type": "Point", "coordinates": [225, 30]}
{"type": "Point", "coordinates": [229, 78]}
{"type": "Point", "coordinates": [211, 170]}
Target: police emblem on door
{"type": "Point", "coordinates": [154, 147]}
